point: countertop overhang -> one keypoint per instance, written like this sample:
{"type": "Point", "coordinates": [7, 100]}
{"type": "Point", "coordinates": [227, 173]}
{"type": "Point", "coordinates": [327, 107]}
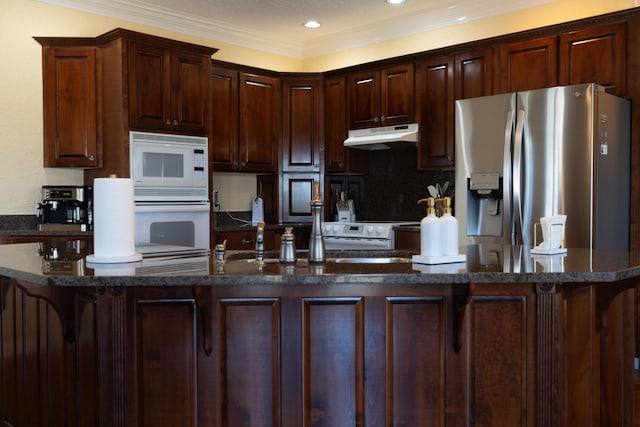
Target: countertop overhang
{"type": "Point", "coordinates": [29, 262]}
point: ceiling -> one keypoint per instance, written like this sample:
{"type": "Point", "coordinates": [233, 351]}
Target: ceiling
{"type": "Point", "coordinates": [277, 25]}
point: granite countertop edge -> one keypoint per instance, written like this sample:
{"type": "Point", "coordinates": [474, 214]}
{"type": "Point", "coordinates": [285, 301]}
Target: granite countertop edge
{"type": "Point", "coordinates": [389, 280]}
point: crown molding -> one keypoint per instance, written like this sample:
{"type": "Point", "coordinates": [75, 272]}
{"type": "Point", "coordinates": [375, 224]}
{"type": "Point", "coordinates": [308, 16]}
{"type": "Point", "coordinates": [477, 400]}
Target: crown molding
{"type": "Point", "coordinates": [168, 19]}
{"type": "Point", "coordinates": [358, 36]}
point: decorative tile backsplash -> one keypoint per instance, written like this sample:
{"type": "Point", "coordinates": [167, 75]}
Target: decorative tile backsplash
{"type": "Point", "coordinates": [393, 186]}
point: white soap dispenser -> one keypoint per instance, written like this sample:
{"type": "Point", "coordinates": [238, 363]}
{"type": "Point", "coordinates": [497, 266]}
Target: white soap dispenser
{"type": "Point", "coordinates": [430, 241]}
{"type": "Point", "coordinates": [449, 230]}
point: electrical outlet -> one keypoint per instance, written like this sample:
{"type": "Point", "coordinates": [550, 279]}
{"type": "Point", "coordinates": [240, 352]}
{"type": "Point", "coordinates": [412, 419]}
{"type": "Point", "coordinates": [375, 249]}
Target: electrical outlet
{"type": "Point", "coordinates": [216, 199]}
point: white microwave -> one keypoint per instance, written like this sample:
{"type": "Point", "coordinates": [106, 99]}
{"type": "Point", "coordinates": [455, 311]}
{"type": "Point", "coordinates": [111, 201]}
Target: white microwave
{"type": "Point", "coordinates": [167, 168]}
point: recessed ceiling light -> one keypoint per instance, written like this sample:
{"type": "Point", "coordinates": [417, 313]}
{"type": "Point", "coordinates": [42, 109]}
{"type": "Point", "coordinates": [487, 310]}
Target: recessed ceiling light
{"type": "Point", "coordinates": [312, 24]}
{"type": "Point", "coordinates": [396, 1]}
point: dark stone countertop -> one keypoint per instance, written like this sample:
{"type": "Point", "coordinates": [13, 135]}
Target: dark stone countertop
{"type": "Point", "coordinates": [63, 264]}
{"type": "Point", "coordinates": [27, 225]}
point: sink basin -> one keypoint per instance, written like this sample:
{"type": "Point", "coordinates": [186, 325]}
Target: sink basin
{"type": "Point", "coordinates": [358, 260]}
{"type": "Point", "coordinates": [332, 257]}
{"type": "Point", "coordinates": [348, 260]}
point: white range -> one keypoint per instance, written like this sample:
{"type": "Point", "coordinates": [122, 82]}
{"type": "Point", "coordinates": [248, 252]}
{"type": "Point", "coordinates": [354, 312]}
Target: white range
{"type": "Point", "coordinates": [360, 235]}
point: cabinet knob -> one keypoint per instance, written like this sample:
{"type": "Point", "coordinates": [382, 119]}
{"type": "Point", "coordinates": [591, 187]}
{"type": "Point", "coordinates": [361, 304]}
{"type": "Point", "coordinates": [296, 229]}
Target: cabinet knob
{"type": "Point", "coordinates": [246, 241]}
{"type": "Point", "coordinates": [92, 158]}
{"type": "Point", "coordinates": [243, 163]}
{"type": "Point", "coordinates": [341, 165]}
{"type": "Point", "coordinates": [375, 120]}
{"type": "Point", "coordinates": [175, 123]}
{"type": "Point", "coordinates": [383, 118]}
{"type": "Point", "coordinates": [168, 122]}
{"type": "Point", "coordinates": [450, 158]}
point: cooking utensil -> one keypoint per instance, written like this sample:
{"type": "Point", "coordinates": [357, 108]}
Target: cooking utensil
{"type": "Point", "coordinates": [432, 191]}
{"type": "Point", "coordinates": [444, 188]}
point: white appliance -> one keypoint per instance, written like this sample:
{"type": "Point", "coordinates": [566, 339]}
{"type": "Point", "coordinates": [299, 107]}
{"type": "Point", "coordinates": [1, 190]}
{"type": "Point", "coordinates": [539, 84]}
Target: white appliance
{"type": "Point", "coordinates": [169, 167]}
{"type": "Point", "coordinates": [172, 228]}
{"type": "Point", "coordinates": [180, 265]}
{"type": "Point", "coordinates": [360, 235]}
{"type": "Point", "coordinates": [170, 190]}
{"type": "Point", "coordinates": [383, 137]}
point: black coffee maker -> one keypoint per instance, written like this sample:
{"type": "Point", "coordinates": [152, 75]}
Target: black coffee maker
{"type": "Point", "coordinates": [66, 208]}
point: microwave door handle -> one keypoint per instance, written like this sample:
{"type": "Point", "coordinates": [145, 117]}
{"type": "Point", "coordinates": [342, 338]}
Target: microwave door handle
{"type": "Point", "coordinates": [517, 177]}
{"type": "Point", "coordinates": [506, 179]}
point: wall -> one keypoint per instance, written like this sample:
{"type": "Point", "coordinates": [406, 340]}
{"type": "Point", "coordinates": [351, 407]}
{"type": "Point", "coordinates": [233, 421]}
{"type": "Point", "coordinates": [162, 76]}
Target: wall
{"type": "Point", "coordinates": [22, 174]}
{"type": "Point", "coordinates": [235, 190]}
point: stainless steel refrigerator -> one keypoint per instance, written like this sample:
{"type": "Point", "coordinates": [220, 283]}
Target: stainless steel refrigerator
{"type": "Point", "coordinates": [521, 156]}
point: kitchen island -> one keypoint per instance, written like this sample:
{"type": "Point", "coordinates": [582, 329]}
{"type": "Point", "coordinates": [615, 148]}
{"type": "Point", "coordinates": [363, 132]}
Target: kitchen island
{"type": "Point", "coordinates": [364, 339]}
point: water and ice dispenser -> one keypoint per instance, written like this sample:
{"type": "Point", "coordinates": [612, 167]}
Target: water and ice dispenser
{"type": "Point", "coordinates": [484, 204]}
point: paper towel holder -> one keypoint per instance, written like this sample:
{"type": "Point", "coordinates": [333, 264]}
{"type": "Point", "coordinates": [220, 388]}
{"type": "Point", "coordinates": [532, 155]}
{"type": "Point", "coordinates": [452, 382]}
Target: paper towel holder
{"type": "Point", "coordinates": [104, 190]}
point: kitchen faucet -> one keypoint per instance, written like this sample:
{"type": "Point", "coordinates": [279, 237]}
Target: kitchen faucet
{"type": "Point", "coordinates": [260, 242]}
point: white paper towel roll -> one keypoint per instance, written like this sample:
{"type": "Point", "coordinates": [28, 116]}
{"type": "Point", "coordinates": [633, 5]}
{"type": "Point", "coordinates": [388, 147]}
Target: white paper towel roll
{"type": "Point", "coordinates": [113, 221]}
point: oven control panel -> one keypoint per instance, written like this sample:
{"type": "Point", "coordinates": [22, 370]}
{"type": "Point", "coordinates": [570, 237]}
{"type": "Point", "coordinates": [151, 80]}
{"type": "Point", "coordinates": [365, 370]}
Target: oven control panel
{"type": "Point", "coordinates": [355, 230]}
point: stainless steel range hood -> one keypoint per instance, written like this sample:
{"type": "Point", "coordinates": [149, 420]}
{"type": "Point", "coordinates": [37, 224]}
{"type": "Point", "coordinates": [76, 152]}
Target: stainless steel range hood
{"type": "Point", "coordinates": [383, 138]}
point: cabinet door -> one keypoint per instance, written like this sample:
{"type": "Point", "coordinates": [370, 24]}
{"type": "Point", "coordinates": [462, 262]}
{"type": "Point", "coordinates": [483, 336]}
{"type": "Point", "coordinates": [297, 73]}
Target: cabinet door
{"type": "Point", "coordinates": [259, 125]}
{"type": "Point", "coordinates": [149, 87]}
{"type": "Point", "coordinates": [435, 106]}
{"type": "Point", "coordinates": [335, 122]}
{"type": "Point", "coordinates": [364, 99]}
{"type": "Point", "coordinates": [407, 240]}
{"type": "Point", "coordinates": [474, 74]}
{"type": "Point", "coordinates": [337, 158]}
{"type": "Point", "coordinates": [297, 192]}
{"type": "Point", "coordinates": [301, 125]}
{"type": "Point", "coordinates": [595, 55]}
{"type": "Point", "coordinates": [189, 94]}
{"type": "Point", "coordinates": [529, 64]}
{"type": "Point", "coordinates": [70, 117]}
{"type": "Point", "coordinates": [223, 144]}
{"type": "Point", "coordinates": [396, 91]}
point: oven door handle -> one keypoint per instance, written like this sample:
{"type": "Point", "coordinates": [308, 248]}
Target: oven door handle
{"type": "Point", "coordinates": [172, 207]}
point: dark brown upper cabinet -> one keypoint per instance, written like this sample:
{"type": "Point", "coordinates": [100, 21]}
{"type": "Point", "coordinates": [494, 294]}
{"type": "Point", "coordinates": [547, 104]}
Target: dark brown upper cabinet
{"type": "Point", "coordinates": [338, 159]}
{"type": "Point", "coordinates": [168, 89]}
{"type": "Point", "coordinates": [381, 97]}
{"type": "Point", "coordinates": [302, 127]}
{"type": "Point", "coordinates": [70, 106]}
{"type": "Point", "coordinates": [435, 111]}
{"type": "Point", "coordinates": [439, 82]}
{"type": "Point", "coordinates": [259, 133]}
{"type": "Point", "coordinates": [98, 89]}
{"type": "Point", "coordinates": [245, 126]}
{"type": "Point", "coordinates": [529, 64]}
{"type": "Point", "coordinates": [595, 55]}
{"type": "Point", "coordinates": [474, 73]}
{"type": "Point", "coordinates": [223, 143]}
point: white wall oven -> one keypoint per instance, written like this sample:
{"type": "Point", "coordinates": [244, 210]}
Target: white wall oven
{"type": "Point", "coordinates": [174, 228]}
{"type": "Point", "coordinates": [171, 193]}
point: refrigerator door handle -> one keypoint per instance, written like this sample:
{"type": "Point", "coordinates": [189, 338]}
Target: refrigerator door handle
{"type": "Point", "coordinates": [517, 177]}
{"type": "Point", "coordinates": [506, 179]}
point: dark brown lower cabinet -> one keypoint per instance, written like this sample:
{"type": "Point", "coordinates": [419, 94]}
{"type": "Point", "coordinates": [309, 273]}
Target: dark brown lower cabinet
{"type": "Point", "coordinates": [479, 354]}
